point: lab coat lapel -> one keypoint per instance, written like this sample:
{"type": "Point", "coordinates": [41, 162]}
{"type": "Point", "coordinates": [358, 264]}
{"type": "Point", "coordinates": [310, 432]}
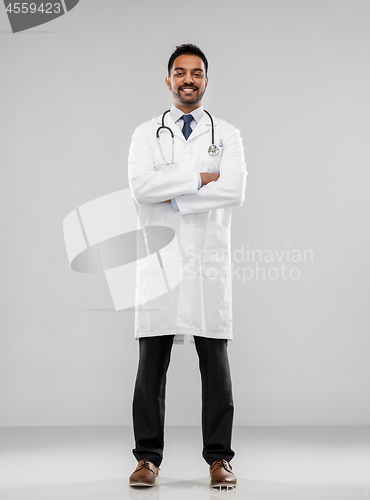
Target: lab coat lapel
{"type": "Point", "coordinates": [175, 128]}
{"type": "Point", "coordinates": [170, 123]}
{"type": "Point", "coordinates": [203, 126]}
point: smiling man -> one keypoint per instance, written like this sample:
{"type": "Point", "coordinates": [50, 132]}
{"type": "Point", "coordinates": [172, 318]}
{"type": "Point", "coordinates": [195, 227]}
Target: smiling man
{"type": "Point", "coordinates": [187, 95]}
{"type": "Point", "coordinates": [186, 170]}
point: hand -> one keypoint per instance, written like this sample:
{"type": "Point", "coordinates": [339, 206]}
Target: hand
{"type": "Point", "coordinates": [206, 177]}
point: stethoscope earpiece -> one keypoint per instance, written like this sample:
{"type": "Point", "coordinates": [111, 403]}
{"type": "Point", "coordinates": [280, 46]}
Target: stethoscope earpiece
{"type": "Point", "coordinates": [213, 150]}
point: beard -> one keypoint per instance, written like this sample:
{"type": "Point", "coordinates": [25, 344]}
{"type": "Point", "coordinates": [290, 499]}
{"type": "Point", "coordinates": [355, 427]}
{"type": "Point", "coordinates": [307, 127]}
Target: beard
{"type": "Point", "coordinates": [189, 99]}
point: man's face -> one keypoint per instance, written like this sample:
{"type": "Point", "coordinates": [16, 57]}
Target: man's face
{"type": "Point", "coordinates": [187, 80]}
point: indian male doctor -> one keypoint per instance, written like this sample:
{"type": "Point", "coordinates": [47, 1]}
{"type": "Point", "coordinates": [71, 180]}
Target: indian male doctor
{"type": "Point", "coordinates": [187, 178]}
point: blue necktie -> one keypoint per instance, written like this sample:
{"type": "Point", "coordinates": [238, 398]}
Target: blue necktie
{"type": "Point", "coordinates": [186, 129]}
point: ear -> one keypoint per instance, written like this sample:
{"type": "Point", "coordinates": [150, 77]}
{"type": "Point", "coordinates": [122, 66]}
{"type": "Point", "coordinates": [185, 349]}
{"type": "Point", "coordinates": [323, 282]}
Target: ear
{"type": "Point", "coordinates": [206, 81]}
{"type": "Point", "coordinates": [168, 82]}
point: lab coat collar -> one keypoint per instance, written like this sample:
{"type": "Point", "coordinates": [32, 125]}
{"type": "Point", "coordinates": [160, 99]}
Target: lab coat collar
{"type": "Point", "coordinates": [203, 126]}
{"type": "Point", "coordinates": [176, 113]}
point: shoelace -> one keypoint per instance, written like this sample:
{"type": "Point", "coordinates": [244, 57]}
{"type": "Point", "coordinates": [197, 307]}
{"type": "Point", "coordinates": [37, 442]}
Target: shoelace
{"type": "Point", "coordinates": [145, 463]}
{"type": "Point", "coordinates": [221, 463]}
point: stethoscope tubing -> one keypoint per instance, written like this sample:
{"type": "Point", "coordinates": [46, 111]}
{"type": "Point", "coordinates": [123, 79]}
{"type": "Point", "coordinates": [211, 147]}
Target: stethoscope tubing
{"type": "Point", "coordinates": [212, 150]}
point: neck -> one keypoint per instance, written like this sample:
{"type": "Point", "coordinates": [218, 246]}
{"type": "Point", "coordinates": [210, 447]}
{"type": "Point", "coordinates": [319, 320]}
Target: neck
{"type": "Point", "coordinates": [187, 108]}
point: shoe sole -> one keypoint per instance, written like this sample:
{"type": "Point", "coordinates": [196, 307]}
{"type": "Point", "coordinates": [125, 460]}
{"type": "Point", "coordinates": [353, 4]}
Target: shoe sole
{"type": "Point", "coordinates": [143, 484]}
{"type": "Point", "coordinates": [223, 485]}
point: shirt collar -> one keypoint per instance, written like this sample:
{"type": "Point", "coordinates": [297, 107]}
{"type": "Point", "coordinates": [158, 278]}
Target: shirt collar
{"type": "Point", "coordinates": [176, 113]}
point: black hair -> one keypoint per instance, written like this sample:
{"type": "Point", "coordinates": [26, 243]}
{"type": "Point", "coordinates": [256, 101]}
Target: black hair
{"type": "Point", "coordinates": [187, 48]}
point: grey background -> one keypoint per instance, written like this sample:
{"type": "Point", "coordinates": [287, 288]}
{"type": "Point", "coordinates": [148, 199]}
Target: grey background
{"type": "Point", "coordinates": [293, 76]}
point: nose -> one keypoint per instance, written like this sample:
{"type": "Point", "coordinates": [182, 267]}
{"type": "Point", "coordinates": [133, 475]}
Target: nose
{"type": "Point", "coordinates": [188, 78]}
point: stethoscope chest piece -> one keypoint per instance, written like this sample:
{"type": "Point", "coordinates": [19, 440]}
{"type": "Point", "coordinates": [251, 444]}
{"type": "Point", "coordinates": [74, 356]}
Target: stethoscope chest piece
{"type": "Point", "coordinates": [213, 150]}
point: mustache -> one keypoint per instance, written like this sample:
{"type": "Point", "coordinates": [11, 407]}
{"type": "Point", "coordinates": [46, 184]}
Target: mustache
{"type": "Point", "coordinates": [188, 87]}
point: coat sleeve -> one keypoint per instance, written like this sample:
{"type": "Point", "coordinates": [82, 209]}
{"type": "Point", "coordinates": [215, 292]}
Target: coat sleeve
{"type": "Point", "coordinates": [148, 185]}
{"type": "Point", "coordinates": [229, 189]}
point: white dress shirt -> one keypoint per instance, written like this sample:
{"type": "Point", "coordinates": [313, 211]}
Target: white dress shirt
{"type": "Point", "coordinates": [176, 115]}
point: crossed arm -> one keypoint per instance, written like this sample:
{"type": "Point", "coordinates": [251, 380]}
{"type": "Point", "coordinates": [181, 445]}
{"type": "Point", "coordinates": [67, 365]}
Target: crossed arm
{"type": "Point", "coordinates": [206, 177]}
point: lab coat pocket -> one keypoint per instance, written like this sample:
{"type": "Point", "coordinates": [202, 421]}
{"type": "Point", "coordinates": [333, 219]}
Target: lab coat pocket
{"type": "Point", "coordinates": [210, 164]}
{"type": "Point", "coordinates": [151, 239]}
{"type": "Point", "coordinates": [216, 255]}
{"type": "Point", "coordinates": [162, 167]}
{"type": "Point", "coordinates": [216, 279]}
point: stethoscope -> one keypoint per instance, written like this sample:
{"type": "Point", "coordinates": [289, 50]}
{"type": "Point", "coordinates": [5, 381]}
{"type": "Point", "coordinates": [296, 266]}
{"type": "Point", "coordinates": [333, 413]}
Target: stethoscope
{"type": "Point", "coordinates": [213, 150]}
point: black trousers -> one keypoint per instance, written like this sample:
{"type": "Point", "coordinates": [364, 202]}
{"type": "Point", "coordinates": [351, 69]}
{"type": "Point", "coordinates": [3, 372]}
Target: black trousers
{"type": "Point", "coordinates": [148, 409]}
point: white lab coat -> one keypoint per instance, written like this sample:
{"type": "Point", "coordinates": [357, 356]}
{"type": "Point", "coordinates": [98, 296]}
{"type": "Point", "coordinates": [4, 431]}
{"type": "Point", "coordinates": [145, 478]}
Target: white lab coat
{"type": "Point", "coordinates": [201, 304]}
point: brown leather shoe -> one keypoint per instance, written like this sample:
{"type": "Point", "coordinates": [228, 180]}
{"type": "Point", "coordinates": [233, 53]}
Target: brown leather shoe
{"type": "Point", "coordinates": [221, 474]}
{"type": "Point", "coordinates": [145, 474]}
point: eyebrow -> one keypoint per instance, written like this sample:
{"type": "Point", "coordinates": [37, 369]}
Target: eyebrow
{"type": "Point", "coordinates": [195, 69]}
